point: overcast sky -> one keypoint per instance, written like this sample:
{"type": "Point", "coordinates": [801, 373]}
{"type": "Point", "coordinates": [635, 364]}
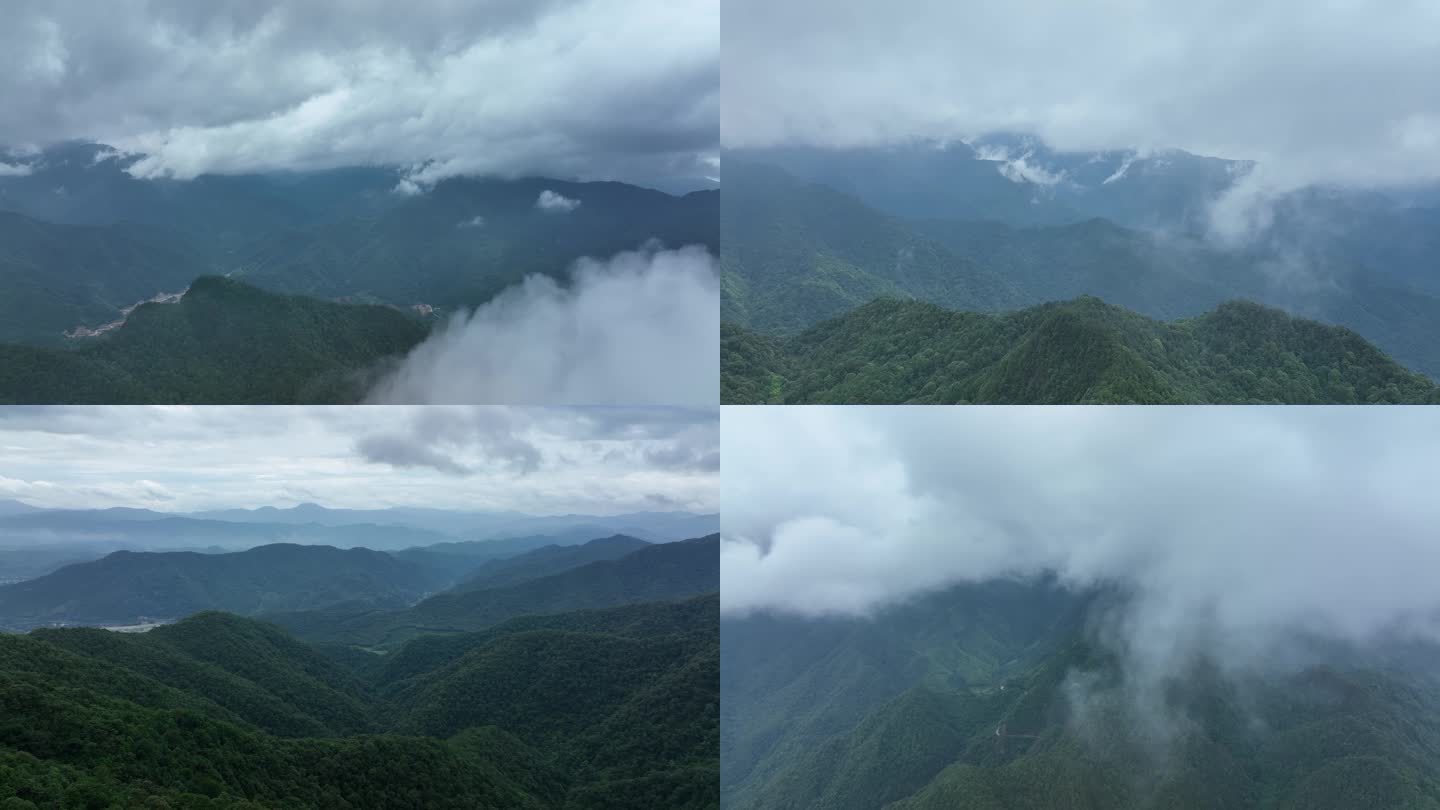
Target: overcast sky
{"type": "Point", "coordinates": [1338, 91]}
{"type": "Point", "coordinates": [1231, 524]}
{"type": "Point", "coordinates": [578, 88]}
{"type": "Point", "coordinates": [536, 460]}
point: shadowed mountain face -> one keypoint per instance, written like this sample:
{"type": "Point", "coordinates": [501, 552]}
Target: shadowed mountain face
{"type": "Point", "coordinates": [547, 560]}
{"type": "Point", "coordinates": [1081, 351]}
{"type": "Point", "coordinates": [798, 253]}
{"type": "Point", "coordinates": [663, 572]}
{"type": "Point", "coordinates": [996, 696]}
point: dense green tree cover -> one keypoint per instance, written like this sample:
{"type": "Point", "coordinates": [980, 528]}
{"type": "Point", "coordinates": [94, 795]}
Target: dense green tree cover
{"type": "Point", "coordinates": [604, 709]}
{"type": "Point", "coordinates": [128, 587]}
{"type": "Point", "coordinates": [224, 342]}
{"type": "Point", "coordinates": [1041, 718]}
{"type": "Point", "coordinates": [547, 560]}
{"type": "Point", "coordinates": [1081, 351]}
{"type": "Point", "coordinates": [665, 571]}
{"type": "Point", "coordinates": [798, 253]}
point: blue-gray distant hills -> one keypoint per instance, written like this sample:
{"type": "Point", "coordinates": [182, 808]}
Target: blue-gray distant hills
{"type": "Point", "coordinates": [248, 561]}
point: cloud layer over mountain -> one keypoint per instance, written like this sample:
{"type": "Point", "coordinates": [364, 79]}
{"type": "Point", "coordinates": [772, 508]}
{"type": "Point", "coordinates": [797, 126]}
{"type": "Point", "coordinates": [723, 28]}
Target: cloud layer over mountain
{"type": "Point", "coordinates": [643, 326]}
{"type": "Point", "coordinates": [1233, 528]}
{"type": "Point", "coordinates": [623, 89]}
{"type": "Point", "coordinates": [1318, 93]}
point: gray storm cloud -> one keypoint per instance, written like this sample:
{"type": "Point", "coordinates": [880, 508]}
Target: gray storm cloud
{"type": "Point", "coordinates": [1317, 93]}
{"type": "Point", "coordinates": [583, 88]}
{"type": "Point", "coordinates": [641, 327]}
{"type": "Point", "coordinates": [1233, 528]}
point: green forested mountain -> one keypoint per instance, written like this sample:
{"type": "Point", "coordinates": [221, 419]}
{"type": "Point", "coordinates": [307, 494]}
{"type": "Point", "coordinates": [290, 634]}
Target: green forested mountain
{"type": "Point", "coordinates": [112, 240]}
{"type": "Point", "coordinates": [55, 278]}
{"type": "Point", "coordinates": [223, 343]}
{"type": "Point", "coordinates": [587, 710]}
{"type": "Point", "coordinates": [129, 587]}
{"type": "Point", "coordinates": [550, 559]}
{"type": "Point", "coordinates": [797, 253]}
{"type": "Point", "coordinates": [83, 243]}
{"type": "Point", "coordinates": [1018, 709]}
{"type": "Point", "coordinates": [1082, 351]}
{"type": "Point", "coordinates": [661, 572]}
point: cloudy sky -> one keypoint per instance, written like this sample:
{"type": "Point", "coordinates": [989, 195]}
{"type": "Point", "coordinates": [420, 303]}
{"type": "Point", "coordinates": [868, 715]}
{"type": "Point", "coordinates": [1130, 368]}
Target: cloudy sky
{"type": "Point", "coordinates": [1229, 524]}
{"type": "Point", "coordinates": [1318, 92]}
{"type": "Point", "coordinates": [537, 460]}
{"type": "Point", "coordinates": [579, 88]}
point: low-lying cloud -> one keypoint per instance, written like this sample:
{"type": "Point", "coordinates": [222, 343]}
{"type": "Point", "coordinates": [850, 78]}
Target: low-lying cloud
{"type": "Point", "coordinates": [1319, 93]}
{"type": "Point", "coordinates": [642, 327]}
{"type": "Point", "coordinates": [555, 203]}
{"type": "Point", "coordinates": [1232, 529]}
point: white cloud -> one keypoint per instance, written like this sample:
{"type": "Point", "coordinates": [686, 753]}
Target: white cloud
{"type": "Point", "coordinates": [553, 203]}
{"type": "Point", "coordinates": [476, 221]}
{"type": "Point", "coordinates": [582, 88]}
{"type": "Point", "coordinates": [640, 327]}
{"type": "Point", "coordinates": [1233, 527]}
{"type": "Point", "coordinates": [537, 460]}
{"type": "Point", "coordinates": [1317, 93]}
{"type": "Point", "coordinates": [14, 169]}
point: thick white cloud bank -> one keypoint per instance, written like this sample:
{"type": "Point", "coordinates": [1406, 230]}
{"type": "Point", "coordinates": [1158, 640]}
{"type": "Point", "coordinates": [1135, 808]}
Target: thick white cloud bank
{"type": "Point", "coordinates": [641, 327]}
{"type": "Point", "coordinates": [574, 88]}
{"type": "Point", "coordinates": [1335, 92]}
{"type": "Point", "coordinates": [1233, 527]}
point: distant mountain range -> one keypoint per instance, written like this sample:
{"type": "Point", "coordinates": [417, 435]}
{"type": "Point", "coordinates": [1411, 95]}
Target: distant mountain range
{"type": "Point", "coordinates": [995, 696]}
{"type": "Point", "coordinates": [37, 541]}
{"type": "Point", "coordinates": [664, 572]}
{"type": "Point", "coordinates": [367, 592]}
{"type": "Point", "coordinates": [132, 587]}
{"type": "Point", "coordinates": [800, 252]}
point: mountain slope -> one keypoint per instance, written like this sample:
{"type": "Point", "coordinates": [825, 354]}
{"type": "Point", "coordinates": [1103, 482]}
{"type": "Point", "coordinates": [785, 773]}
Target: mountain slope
{"type": "Point", "coordinates": [262, 676]}
{"type": "Point", "coordinates": [796, 254]}
{"type": "Point", "coordinates": [1058, 725]}
{"type": "Point", "coordinates": [466, 239]}
{"type": "Point", "coordinates": [1081, 351]}
{"type": "Point", "coordinates": [780, 229]}
{"type": "Point", "coordinates": [663, 572]}
{"type": "Point", "coordinates": [129, 587]}
{"type": "Point", "coordinates": [223, 342]}
{"type": "Point", "coordinates": [548, 560]}
{"type": "Point", "coordinates": [55, 278]}
{"type": "Point", "coordinates": [220, 711]}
